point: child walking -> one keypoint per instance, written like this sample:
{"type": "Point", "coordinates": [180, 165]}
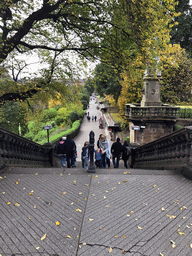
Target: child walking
{"type": "Point", "coordinates": [85, 155]}
{"type": "Point", "coordinates": [98, 158]}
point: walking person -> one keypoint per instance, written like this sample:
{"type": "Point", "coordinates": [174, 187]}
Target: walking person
{"type": "Point", "coordinates": [106, 150]}
{"type": "Point", "coordinates": [70, 146]}
{"type": "Point", "coordinates": [61, 151]}
{"type": "Point", "coordinates": [95, 118]}
{"type": "Point", "coordinates": [116, 150]}
{"type": "Point", "coordinates": [85, 155]}
{"type": "Point", "coordinates": [126, 152]}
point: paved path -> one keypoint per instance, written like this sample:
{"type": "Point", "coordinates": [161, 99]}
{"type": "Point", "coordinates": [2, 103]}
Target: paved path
{"type": "Point", "coordinates": [68, 212]}
{"type": "Point", "coordinates": [88, 126]}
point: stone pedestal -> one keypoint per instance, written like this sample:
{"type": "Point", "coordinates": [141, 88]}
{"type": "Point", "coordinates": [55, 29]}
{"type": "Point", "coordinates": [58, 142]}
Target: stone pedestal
{"type": "Point", "coordinates": [151, 92]}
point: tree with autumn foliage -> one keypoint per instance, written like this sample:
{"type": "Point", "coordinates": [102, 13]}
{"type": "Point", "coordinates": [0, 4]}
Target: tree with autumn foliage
{"type": "Point", "coordinates": [146, 26]}
{"type": "Point", "coordinates": [176, 84]}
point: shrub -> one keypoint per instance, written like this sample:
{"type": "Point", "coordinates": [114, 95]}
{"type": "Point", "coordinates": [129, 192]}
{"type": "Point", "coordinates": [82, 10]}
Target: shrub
{"type": "Point", "coordinates": [74, 116]}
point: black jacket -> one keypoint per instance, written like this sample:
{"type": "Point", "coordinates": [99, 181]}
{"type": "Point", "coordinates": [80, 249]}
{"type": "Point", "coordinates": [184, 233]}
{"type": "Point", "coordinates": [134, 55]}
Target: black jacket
{"type": "Point", "coordinates": [116, 148]}
{"type": "Point", "coordinates": [61, 148]}
{"type": "Point", "coordinates": [70, 147]}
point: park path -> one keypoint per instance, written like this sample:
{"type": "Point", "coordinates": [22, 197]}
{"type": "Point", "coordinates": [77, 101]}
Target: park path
{"type": "Point", "coordinates": [88, 126]}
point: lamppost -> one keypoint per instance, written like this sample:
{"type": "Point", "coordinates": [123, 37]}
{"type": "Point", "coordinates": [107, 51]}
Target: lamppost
{"type": "Point", "coordinates": [47, 127]}
{"type": "Point", "coordinates": [91, 152]}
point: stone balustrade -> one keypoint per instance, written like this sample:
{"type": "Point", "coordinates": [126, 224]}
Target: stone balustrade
{"type": "Point", "coordinates": [18, 151]}
{"type": "Point", "coordinates": [164, 112]}
{"type": "Point", "coordinates": [172, 152]}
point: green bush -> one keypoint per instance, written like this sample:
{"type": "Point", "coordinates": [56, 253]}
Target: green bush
{"type": "Point", "coordinates": [72, 131]}
{"type": "Point", "coordinates": [48, 115]}
{"type": "Point", "coordinates": [74, 116]}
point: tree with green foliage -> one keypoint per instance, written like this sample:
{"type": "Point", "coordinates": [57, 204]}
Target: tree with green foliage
{"type": "Point", "coordinates": [13, 117]}
{"type": "Point", "coordinates": [54, 28]}
{"type": "Point", "coordinates": [181, 33]}
{"type": "Point", "coordinates": [107, 81]}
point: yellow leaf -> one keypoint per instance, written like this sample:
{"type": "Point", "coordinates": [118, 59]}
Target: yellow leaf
{"type": "Point", "coordinates": [154, 186]}
{"type": "Point", "coordinates": [57, 223]}
{"type": "Point", "coordinates": [68, 236]}
{"type": "Point", "coordinates": [131, 212]}
{"type": "Point", "coordinates": [171, 216]}
{"type": "Point", "coordinates": [3, 193]}
{"type": "Point", "coordinates": [43, 237]}
{"type": "Point", "coordinates": [124, 237]}
{"type": "Point", "coordinates": [107, 205]}
{"type": "Point", "coordinates": [161, 254]}
{"type": "Point", "coordinates": [104, 197]}
{"type": "Point", "coordinates": [30, 194]}
{"type": "Point", "coordinates": [16, 182]}
{"type": "Point", "coordinates": [74, 182]}
{"type": "Point", "coordinates": [1, 178]}
{"type": "Point", "coordinates": [127, 173]}
{"type": "Point", "coordinates": [110, 249]}
{"type": "Point", "coordinates": [36, 173]}
{"type": "Point", "coordinates": [140, 228]}
{"type": "Point", "coordinates": [17, 204]}
{"type": "Point", "coordinates": [9, 203]}
{"type": "Point", "coordinates": [64, 193]}
{"type": "Point", "coordinates": [124, 180]}
{"type": "Point", "coordinates": [190, 245]}
{"type": "Point", "coordinates": [37, 248]}
{"type": "Point", "coordinates": [162, 209]}
{"type": "Point", "coordinates": [96, 176]}
{"type": "Point", "coordinates": [123, 251]}
{"type": "Point", "coordinates": [85, 199]}
{"type": "Point", "coordinates": [180, 233]}
{"type": "Point", "coordinates": [80, 193]}
{"type": "Point", "coordinates": [91, 219]}
{"type": "Point", "coordinates": [78, 210]}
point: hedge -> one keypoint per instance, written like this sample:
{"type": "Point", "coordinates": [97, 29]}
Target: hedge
{"type": "Point", "coordinates": [72, 132]}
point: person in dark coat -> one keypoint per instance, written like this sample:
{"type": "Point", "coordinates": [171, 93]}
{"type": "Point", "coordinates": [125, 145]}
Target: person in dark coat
{"type": "Point", "coordinates": [70, 148]}
{"type": "Point", "coordinates": [61, 151]}
{"type": "Point", "coordinates": [116, 150]}
{"type": "Point", "coordinates": [126, 152]}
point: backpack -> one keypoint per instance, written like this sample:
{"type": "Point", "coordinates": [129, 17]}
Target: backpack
{"type": "Point", "coordinates": [128, 151]}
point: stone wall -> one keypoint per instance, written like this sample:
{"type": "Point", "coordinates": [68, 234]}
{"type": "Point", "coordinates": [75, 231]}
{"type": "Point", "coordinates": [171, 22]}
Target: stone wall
{"type": "Point", "coordinates": [153, 131]}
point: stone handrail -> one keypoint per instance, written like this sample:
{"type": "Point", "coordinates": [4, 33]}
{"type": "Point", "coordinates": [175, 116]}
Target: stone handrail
{"type": "Point", "coordinates": [172, 152]}
{"type": "Point", "coordinates": [18, 151]}
{"type": "Point", "coordinates": [151, 112]}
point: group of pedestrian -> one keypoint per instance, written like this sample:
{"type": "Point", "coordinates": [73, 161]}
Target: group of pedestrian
{"type": "Point", "coordinates": [93, 117]}
{"type": "Point", "coordinates": [120, 151]}
{"type": "Point", "coordinates": [67, 152]}
{"type": "Point", "coordinates": [104, 151]}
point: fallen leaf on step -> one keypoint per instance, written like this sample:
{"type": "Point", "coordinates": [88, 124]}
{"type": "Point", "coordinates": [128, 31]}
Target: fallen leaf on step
{"type": "Point", "coordinates": [110, 249]}
{"type": "Point", "coordinates": [68, 236]}
{"type": "Point", "coordinates": [171, 216]}
{"type": "Point", "coordinates": [43, 237]}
